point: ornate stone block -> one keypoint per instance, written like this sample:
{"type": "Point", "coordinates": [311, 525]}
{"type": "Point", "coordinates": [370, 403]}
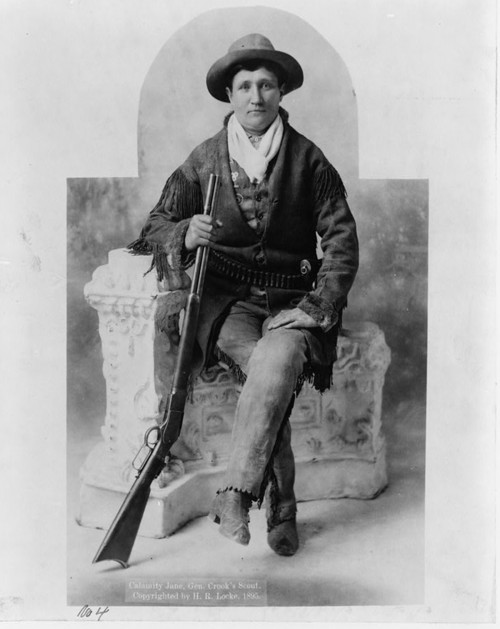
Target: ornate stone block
{"type": "Point", "coordinates": [337, 436]}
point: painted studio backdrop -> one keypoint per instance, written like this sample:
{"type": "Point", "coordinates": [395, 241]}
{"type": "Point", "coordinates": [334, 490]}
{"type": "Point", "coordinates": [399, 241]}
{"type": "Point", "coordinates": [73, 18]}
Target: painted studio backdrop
{"type": "Point", "coordinates": [175, 114]}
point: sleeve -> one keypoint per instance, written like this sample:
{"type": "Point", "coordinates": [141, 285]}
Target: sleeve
{"type": "Point", "coordinates": [336, 228]}
{"type": "Point", "coordinates": [165, 228]}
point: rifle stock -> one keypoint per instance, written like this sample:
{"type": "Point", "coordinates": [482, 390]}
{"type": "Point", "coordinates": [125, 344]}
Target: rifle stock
{"type": "Point", "coordinates": [119, 540]}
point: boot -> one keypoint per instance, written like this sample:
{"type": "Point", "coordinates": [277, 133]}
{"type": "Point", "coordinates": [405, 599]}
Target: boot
{"type": "Point", "coordinates": [230, 510]}
{"type": "Point", "coordinates": [281, 506]}
{"type": "Point", "coordinates": [282, 534]}
{"type": "Point", "coordinates": [283, 538]}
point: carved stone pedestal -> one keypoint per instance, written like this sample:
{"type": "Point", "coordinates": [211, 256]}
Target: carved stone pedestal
{"type": "Point", "coordinates": [337, 437]}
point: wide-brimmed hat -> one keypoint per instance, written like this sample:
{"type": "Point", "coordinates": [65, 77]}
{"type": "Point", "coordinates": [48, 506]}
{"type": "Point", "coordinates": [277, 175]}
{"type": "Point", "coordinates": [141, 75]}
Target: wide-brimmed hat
{"type": "Point", "coordinates": [253, 47]}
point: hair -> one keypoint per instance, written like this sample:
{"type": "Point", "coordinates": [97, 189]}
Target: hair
{"type": "Point", "coordinates": [255, 64]}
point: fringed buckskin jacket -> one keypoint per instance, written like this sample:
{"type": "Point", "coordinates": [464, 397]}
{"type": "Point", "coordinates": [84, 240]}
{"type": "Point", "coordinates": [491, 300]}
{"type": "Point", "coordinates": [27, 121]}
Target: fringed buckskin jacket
{"type": "Point", "coordinates": [305, 197]}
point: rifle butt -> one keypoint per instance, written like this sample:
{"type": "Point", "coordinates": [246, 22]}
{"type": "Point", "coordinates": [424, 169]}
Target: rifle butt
{"type": "Point", "coordinates": [119, 540]}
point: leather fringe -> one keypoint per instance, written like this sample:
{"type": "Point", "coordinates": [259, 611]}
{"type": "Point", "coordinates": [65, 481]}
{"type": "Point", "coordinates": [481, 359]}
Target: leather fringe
{"type": "Point", "coordinates": [241, 491]}
{"type": "Point", "coordinates": [235, 369]}
{"type": "Point", "coordinates": [188, 198]}
{"type": "Point", "coordinates": [180, 197]}
{"type": "Point", "coordinates": [319, 377]}
{"type": "Point", "coordinates": [328, 185]}
{"type": "Point", "coordinates": [142, 247]}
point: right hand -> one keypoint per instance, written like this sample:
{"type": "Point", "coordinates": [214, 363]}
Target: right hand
{"type": "Point", "coordinates": [201, 231]}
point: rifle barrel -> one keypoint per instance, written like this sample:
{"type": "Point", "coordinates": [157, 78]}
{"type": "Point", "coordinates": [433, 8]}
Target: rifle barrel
{"type": "Point", "coordinates": [119, 540]}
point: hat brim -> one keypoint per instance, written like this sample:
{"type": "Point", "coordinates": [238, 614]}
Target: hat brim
{"type": "Point", "coordinates": [216, 77]}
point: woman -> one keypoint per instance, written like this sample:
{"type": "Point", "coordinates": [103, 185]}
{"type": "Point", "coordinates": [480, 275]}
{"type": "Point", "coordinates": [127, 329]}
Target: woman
{"type": "Point", "coordinates": [270, 309]}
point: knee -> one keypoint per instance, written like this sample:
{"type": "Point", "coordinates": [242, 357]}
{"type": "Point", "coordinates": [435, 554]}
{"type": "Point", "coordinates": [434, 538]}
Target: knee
{"type": "Point", "coordinates": [280, 349]}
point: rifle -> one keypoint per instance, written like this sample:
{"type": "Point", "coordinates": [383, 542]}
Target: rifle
{"type": "Point", "coordinates": [120, 538]}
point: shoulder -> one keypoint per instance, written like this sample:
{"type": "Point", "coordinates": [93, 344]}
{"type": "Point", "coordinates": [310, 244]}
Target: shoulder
{"type": "Point", "coordinates": [305, 147]}
{"type": "Point", "coordinates": [324, 176]}
{"type": "Point", "coordinates": [208, 147]}
{"type": "Point", "coordinates": [306, 158]}
{"type": "Point", "coordinates": [201, 159]}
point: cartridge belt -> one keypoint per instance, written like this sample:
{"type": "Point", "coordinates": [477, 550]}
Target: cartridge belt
{"type": "Point", "coordinates": [222, 265]}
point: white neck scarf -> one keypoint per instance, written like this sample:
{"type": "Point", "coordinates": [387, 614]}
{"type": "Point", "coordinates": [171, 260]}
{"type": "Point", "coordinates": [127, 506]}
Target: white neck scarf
{"type": "Point", "coordinates": [254, 160]}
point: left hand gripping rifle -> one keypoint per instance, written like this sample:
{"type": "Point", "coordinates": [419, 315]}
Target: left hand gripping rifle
{"type": "Point", "coordinates": [158, 440]}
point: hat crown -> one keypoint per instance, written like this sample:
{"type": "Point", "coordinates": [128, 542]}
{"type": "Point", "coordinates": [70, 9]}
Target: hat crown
{"type": "Point", "coordinates": [254, 41]}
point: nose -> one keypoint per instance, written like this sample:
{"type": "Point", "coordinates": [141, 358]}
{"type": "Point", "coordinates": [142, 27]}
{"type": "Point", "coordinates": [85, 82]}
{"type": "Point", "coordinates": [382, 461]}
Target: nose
{"type": "Point", "coordinates": [255, 94]}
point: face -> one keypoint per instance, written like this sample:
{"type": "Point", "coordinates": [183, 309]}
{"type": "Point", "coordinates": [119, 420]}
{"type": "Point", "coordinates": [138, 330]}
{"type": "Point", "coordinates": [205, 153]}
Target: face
{"type": "Point", "coordinates": [255, 97]}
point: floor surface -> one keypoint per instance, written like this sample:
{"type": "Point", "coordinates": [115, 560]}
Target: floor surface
{"type": "Point", "coordinates": [353, 552]}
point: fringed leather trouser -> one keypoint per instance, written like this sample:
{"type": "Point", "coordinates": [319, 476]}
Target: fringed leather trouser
{"type": "Point", "coordinates": [269, 362]}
